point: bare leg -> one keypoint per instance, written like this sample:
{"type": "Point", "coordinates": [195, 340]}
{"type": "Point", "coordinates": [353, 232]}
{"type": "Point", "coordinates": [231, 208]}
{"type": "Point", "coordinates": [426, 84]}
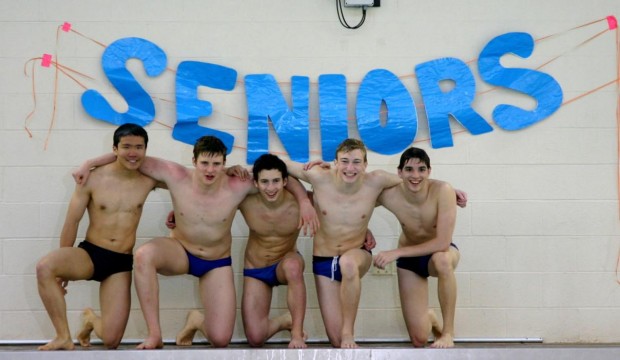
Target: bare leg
{"type": "Point", "coordinates": [328, 293]}
{"type": "Point", "coordinates": [353, 265]}
{"type": "Point", "coordinates": [442, 265]}
{"type": "Point", "coordinates": [255, 304]}
{"type": "Point", "coordinates": [291, 269]}
{"type": "Point", "coordinates": [115, 300]}
{"type": "Point", "coordinates": [194, 322]}
{"type": "Point", "coordinates": [217, 293]}
{"type": "Point", "coordinates": [65, 263]}
{"type": "Point", "coordinates": [413, 291]}
{"type": "Point", "coordinates": [160, 255]}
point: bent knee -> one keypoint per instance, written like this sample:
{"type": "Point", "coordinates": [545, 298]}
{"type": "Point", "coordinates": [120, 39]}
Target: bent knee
{"type": "Point", "coordinates": [442, 262]}
{"type": "Point", "coordinates": [256, 341]}
{"type": "Point", "coordinates": [144, 255]}
{"type": "Point", "coordinates": [349, 268]}
{"type": "Point", "coordinates": [111, 342]}
{"type": "Point", "coordinates": [293, 268]}
{"type": "Point", "coordinates": [419, 340]}
{"type": "Point", "coordinates": [219, 341]}
{"type": "Point", "coordinates": [44, 268]}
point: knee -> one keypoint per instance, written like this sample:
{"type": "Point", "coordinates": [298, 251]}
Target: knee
{"type": "Point", "coordinates": [44, 269]}
{"type": "Point", "coordinates": [143, 257]}
{"type": "Point", "coordinates": [111, 344]}
{"type": "Point", "coordinates": [111, 341]}
{"type": "Point", "coordinates": [349, 268]}
{"type": "Point", "coordinates": [219, 341]}
{"type": "Point", "coordinates": [442, 263]}
{"type": "Point", "coordinates": [255, 340]}
{"type": "Point", "coordinates": [419, 339]}
{"type": "Point", "coordinates": [293, 269]}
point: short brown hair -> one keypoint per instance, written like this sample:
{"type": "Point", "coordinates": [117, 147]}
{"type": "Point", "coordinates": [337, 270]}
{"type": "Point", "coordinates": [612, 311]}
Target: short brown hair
{"type": "Point", "coordinates": [349, 145]}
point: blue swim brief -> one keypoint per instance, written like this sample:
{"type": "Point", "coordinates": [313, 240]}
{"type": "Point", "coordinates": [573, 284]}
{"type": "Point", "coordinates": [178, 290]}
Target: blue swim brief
{"type": "Point", "coordinates": [265, 274]}
{"type": "Point", "coordinates": [417, 264]}
{"type": "Point", "coordinates": [329, 266]}
{"type": "Point", "coordinates": [199, 267]}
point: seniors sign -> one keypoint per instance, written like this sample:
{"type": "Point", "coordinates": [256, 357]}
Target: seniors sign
{"type": "Point", "coordinates": [265, 101]}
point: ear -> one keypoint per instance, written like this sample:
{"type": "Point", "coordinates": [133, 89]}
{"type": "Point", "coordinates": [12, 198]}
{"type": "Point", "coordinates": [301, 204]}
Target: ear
{"type": "Point", "coordinates": [193, 161]}
{"type": "Point", "coordinates": [284, 182]}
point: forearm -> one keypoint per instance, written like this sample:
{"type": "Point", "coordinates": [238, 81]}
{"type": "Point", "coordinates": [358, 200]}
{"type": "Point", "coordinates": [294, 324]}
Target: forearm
{"type": "Point", "coordinates": [425, 248]}
{"type": "Point", "coordinates": [68, 235]}
{"type": "Point", "coordinates": [100, 160]}
{"type": "Point", "coordinates": [297, 189]}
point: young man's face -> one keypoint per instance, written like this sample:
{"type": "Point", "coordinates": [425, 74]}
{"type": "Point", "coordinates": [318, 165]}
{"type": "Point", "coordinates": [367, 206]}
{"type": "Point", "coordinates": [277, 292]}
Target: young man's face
{"type": "Point", "coordinates": [270, 184]}
{"type": "Point", "coordinates": [414, 173]}
{"type": "Point", "coordinates": [350, 165]}
{"type": "Point", "coordinates": [210, 167]}
{"type": "Point", "coordinates": [130, 151]}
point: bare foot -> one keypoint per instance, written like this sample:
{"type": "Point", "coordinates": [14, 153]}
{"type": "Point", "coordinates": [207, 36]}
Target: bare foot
{"type": "Point", "coordinates": [193, 323]}
{"type": "Point", "coordinates": [348, 342]}
{"type": "Point", "coordinates": [58, 344]}
{"type": "Point", "coordinates": [88, 319]}
{"type": "Point", "coordinates": [444, 342]}
{"type": "Point", "coordinates": [284, 321]}
{"type": "Point", "coordinates": [435, 327]}
{"type": "Point", "coordinates": [150, 344]}
{"type": "Point", "coordinates": [298, 342]}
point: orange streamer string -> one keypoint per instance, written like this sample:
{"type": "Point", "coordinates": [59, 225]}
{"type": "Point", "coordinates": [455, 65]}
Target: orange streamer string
{"type": "Point", "coordinates": [34, 95]}
{"type": "Point", "coordinates": [618, 129]}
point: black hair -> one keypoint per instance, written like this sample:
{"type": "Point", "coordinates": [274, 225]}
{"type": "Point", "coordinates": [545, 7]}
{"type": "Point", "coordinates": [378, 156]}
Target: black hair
{"type": "Point", "coordinates": [414, 153]}
{"type": "Point", "coordinates": [269, 162]}
{"type": "Point", "coordinates": [130, 129]}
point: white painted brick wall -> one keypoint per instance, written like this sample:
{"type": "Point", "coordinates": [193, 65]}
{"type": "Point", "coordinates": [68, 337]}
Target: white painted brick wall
{"type": "Point", "coordinates": [539, 239]}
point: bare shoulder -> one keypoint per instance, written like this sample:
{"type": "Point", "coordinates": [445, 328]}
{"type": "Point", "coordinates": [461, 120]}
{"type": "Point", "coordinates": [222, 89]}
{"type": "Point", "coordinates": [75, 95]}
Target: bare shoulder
{"type": "Point", "coordinates": [441, 190]}
{"type": "Point", "coordinates": [382, 179]}
{"type": "Point", "coordinates": [440, 186]}
{"type": "Point", "coordinates": [237, 184]}
{"type": "Point", "coordinates": [162, 169]}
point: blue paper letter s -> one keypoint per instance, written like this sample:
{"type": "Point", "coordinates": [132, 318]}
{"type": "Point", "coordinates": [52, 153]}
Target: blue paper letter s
{"type": "Point", "coordinates": [141, 108]}
{"type": "Point", "coordinates": [542, 87]}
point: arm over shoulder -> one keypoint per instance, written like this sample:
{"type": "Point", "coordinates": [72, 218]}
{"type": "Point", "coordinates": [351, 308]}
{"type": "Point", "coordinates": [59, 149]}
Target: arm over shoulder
{"type": "Point", "coordinates": [385, 179]}
{"type": "Point", "coordinates": [163, 170]}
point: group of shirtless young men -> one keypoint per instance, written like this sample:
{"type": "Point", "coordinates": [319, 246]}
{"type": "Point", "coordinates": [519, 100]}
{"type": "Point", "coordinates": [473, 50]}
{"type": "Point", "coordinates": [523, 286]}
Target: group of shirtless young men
{"type": "Point", "coordinates": [276, 207]}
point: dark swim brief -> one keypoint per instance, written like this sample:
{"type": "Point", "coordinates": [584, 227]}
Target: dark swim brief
{"type": "Point", "coordinates": [199, 267]}
{"type": "Point", "coordinates": [417, 264]}
{"type": "Point", "coordinates": [328, 266]}
{"type": "Point", "coordinates": [106, 262]}
{"type": "Point", "coordinates": [265, 274]}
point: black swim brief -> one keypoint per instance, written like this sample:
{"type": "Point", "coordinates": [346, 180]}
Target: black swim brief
{"type": "Point", "coordinates": [106, 262]}
{"type": "Point", "coordinates": [417, 264]}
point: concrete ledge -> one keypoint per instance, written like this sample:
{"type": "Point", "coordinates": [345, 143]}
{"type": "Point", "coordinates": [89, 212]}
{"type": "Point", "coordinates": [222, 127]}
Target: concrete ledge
{"type": "Point", "coordinates": [366, 352]}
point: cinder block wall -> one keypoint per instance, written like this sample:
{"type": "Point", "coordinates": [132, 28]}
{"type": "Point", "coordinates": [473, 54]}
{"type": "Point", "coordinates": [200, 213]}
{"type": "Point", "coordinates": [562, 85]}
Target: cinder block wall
{"type": "Point", "coordinates": [539, 238]}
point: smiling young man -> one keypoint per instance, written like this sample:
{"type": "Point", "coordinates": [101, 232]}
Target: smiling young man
{"type": "Point", "coordinates": [271, 259]}
{"type": "Point", "coordinates": [426, 210]}
{"type": "Point", "coordinates": [344, 198]}
{"type": "Point", "coordinates": [114, 198]}
{"type": "Point", "coordinates": [204, 200]}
